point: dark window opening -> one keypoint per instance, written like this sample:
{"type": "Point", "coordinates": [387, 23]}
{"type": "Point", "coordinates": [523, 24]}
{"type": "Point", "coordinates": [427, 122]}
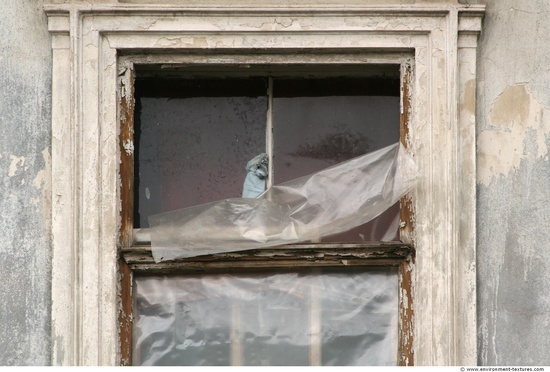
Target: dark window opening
{"type": "Point", "coordinates": [195, 133]}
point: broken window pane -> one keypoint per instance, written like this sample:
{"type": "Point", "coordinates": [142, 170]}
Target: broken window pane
{"type": "Point", "coordinates": [309, 317]}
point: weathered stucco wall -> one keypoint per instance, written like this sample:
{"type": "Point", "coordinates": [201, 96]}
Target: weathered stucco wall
{"type": "Point", "coordinates": [25, 121]}
{"type": "Point", "coordinates": [513, 230]}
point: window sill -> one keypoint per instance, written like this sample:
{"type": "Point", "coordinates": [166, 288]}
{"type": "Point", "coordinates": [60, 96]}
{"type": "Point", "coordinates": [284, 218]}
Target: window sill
{"type": "Point", "coordinates": [381, 254]}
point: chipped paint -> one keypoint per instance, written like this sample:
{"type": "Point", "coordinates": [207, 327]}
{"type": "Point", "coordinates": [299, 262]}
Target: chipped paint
{"type": "Point", "coordinates": [42, 182]}
{"type": "Point", "coordinates": [16, 163]}
{"type": "Point", "coordinates": [42, 177]}
{"type": "Point", "coordinates": [25, 103]}
{"type": "Point", "coordinates": [512, 116]}
{"type": "Point", "coordinates": [128, 147]}
{"type": "Point", "coordinates": [406, 312]}
{"type": "Point", "coordinates": [88, 180]}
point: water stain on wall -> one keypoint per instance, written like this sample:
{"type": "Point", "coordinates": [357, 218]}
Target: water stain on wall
{"type": "Point", "coordinates": [513, 114]}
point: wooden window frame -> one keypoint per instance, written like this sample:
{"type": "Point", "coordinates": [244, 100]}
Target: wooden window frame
{"type": "Point", "coordinates": [90, 41]}
{"type": "Point", "coordinates": [136, 255]}
{"type": "Point", "coordinates": [298, 256]}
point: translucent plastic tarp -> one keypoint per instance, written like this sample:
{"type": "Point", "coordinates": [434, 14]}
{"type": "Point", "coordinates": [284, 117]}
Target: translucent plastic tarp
{"type": "Point", "coordinates": [323, 317]}
{"type": "Point", "coordinates": [328, 202]}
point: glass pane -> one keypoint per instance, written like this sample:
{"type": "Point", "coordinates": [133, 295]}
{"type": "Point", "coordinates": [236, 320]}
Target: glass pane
{"type": "Point", "coordinates": [321, 122]}
{"type": "Point", "coordinates": [194, 138]}
{"type": "Point", "coordinates": [329, 317]}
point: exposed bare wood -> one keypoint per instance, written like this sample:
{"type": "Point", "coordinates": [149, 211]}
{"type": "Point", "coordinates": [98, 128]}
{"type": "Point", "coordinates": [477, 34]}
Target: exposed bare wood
{"type": "Point", "coordinates": [311, 255]}
{"type": "Point", "coordinates": [407, 217]}
{"type": "Point", "coordinates": [125, 313]}
{"type": "Point", "coordinates": [126, 139]}
{"type": "Point", "coordinates": [406, 311]}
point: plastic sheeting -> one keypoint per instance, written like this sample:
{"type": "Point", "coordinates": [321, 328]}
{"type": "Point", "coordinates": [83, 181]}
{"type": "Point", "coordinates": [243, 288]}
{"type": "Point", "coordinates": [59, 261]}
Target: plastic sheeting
{"type": "Point", "coordinates": [328, 202]}
{"type": "Point", "coordinates": [327, 317]}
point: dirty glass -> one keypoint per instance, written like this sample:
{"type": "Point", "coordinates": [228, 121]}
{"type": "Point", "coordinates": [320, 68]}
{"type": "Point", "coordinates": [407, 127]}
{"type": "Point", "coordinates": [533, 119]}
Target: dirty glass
{"type": "Point", "coordinates": [194, 138]}
{"type": "Point", "coordinates": [321, 122]}
{"type": "Point", "coordinates": [310, 317]}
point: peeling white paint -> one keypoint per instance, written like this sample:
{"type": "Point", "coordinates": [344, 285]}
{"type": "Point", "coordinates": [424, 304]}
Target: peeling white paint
{"type": "Point", "coordinates": [514, 113]}
{"type": "Point", "coordinates": [405, 298]}
{"type": "Point", "coordinates": [128, 147]}
{"type": "Point", "coordinates": [41, 177]}
{"type": "Point", "coordinates": [16, 162]}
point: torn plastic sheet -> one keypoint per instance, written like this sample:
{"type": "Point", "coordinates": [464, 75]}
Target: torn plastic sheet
{"type": "Point", "coordinates": [321, 317]}
{"type": "Point", "coordinates": [328, 202]}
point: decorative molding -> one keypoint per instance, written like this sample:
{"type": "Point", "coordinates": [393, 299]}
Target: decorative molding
{"type": "Point", "coordinates": [88, 40]}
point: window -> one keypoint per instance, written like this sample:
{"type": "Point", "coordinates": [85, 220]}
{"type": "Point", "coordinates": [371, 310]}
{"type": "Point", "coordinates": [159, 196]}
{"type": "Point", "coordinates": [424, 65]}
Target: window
{"type": "Point", "coordinates": [194, 133]}
{"type": "Point", "coordinates": [194, 136]}
{"type": "Point", "coordinates": [95, 46]}
{"type": "Point", "coordinates": [335, 317]}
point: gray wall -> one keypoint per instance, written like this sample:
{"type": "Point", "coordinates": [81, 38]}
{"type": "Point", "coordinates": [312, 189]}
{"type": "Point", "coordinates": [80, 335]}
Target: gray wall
{"type": "Point", "coordinates": [514, 184]}
{"type": "Point", "coordinates": [25, 115]}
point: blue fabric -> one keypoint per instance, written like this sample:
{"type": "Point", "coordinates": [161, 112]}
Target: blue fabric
{"type": "Point", "coordinates": [255, 181]}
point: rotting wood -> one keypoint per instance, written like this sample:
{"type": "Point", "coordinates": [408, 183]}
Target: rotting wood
{"type": "Point", "coordinates": [407, 215]}
{"type": "Point", "coordinates": [126, 140]}
{"type": "Point", "coordinates": [406, 313]}
{"type": "Point", "coordinates": [138, 258]}
{"type": "Point", "coordinates": [308, 255]}
{"type": "Point", "coordinates": [125, 313]}
{"type": "Point", "coordinates": [406, 286]}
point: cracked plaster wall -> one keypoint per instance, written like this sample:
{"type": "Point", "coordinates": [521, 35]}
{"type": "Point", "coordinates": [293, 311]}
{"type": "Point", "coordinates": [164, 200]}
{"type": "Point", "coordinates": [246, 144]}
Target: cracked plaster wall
{"type": "Point", "coordinates": [25, 120]}
{"type": "Point", "coordinates": [513, 220]}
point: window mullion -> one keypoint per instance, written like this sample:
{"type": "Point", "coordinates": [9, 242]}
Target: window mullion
{"type": "Point", "coordinates": [315, 348]}
{"type": "Point", "coordinates": [236, 335]}
{"type": "Point", "coordinates": [269, 130]}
